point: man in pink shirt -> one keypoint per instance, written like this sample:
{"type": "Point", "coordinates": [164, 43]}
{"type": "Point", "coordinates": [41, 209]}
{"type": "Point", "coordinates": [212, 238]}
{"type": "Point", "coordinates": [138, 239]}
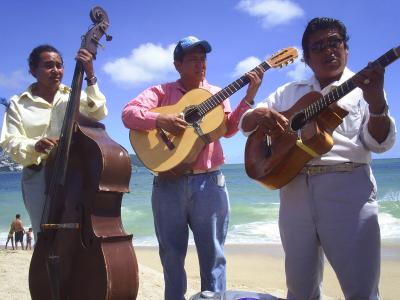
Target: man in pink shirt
{"type": "Point", "coordinates": [199, 198]}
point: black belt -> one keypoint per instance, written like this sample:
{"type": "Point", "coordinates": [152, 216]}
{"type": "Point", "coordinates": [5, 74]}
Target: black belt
{"type": "Point", "coordinates": [36, 168]}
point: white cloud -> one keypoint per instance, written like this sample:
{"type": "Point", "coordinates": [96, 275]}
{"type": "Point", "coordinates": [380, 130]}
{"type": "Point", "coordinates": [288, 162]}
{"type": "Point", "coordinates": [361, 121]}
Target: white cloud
{"type": "Point", "coordinates": [299, 70]}
{"type": "Point", "coordinates": [271, 12]}
{"type": "Point", "coordinates": [147, 63]}
{"type": "Point", "coordinates": [245, 66]}
{"type": "Point", "coordinates": [16, 80]}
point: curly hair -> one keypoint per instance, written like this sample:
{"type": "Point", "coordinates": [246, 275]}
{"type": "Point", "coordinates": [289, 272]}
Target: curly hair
{"type": "Point", "coordinates": [34, 57]}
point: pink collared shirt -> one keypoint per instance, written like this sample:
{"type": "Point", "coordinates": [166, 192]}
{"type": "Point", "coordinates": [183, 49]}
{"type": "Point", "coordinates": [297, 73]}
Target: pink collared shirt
{"type": "Point", "coordinates": [137, 115]}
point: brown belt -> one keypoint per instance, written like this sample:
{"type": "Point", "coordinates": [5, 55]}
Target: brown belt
{"type": "Point", "coordinates": [188, 172]}
{"type": "Point", "coordinates": [316, 170]}
{"type": "Point", "coordinates": [195, 172]}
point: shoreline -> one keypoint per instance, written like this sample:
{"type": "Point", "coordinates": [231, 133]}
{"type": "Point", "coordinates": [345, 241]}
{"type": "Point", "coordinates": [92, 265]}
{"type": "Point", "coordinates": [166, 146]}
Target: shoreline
{"type": "Point", "coordinates": [260, 268]}
{"type": "Point", "coordinates": [256, 268]}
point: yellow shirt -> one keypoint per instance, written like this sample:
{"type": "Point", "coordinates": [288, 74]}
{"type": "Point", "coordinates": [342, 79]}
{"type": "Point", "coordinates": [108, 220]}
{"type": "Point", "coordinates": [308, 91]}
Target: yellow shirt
{"type": "Point", "coordinates": [30, 118]}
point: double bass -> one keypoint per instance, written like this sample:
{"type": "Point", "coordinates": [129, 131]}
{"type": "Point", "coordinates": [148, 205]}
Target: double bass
{"type": "Point", "coordinates": [82, 251]}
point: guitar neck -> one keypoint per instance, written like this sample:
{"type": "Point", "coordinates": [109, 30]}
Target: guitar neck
{"type": "Point", "coordinates": [226, 92]}
{"type": "Point", "coordinates": [346, 87]}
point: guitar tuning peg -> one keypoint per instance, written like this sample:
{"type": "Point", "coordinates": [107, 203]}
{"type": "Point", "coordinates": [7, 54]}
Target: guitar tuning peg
{"type": "Point", "coordinates": [108, 37]}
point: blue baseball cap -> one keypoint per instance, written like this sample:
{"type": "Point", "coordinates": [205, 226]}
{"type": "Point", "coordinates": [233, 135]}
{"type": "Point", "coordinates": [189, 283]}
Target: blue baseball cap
{"type": "Point", "coordinates": [188, 43]}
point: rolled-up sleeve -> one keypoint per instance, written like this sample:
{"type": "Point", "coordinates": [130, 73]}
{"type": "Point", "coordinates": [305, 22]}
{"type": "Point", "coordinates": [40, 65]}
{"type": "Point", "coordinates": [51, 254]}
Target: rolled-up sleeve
{"type": "Point", "coordinates": [15, 142]}
{"type": "Point", "coordinates": [93, 103]}
{"type": "Point", "coordinates": [371, 144]}
{"type": "Point", "coordinates": [137, 115]}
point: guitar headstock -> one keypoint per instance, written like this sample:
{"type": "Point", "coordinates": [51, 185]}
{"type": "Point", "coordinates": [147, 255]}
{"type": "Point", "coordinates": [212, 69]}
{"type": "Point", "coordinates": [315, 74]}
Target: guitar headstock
{"type": "Point", "coordinates": [283, 57]}
{"type": "Point", "coordinates": [90, 40]}
{"type": "Point", "coordinates": [397, 51]}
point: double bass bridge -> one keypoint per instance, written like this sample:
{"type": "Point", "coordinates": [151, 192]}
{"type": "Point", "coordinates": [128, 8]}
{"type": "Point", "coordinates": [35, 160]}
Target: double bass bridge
{"type": "Point", "coordinates": [61, 226]}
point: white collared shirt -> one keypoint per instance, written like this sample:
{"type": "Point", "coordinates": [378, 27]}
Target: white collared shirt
{"type": "Point", "coordinates": [352, 140]}
{"type": "Point", "coordinates": [31, 118]}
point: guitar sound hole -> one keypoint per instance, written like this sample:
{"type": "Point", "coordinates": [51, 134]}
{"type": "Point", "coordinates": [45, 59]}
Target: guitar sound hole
{"type": "Point", "coordinates": [298, 121]}
{"type": "Point", "coordinates": [192, 115]}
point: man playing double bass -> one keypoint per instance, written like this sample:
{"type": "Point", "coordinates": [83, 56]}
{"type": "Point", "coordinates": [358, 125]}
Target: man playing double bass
{"type": "Point", "coordinates": [330, 206]}
{"type": "Point", "coordinates": [34, 119]}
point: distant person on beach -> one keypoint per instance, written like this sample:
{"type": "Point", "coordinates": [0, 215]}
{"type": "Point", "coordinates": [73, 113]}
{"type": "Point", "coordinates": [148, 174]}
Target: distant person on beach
{"type": "Point", "coordinates": [19, 231]}
{"type": "Point", "coordinates": [198, 199]}
{"type": "Point", "coordinates": [34, 119]}
{"type": "Point", "coordinates": [29, 239]}
{"type": "Point", "coordinates": [331, 206]}
{"type": "Point", "coordinates": [10, 236]}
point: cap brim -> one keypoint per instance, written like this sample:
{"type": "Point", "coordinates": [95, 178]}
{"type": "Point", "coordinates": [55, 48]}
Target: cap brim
{"type": "Point", "coordinates": [205, 44]}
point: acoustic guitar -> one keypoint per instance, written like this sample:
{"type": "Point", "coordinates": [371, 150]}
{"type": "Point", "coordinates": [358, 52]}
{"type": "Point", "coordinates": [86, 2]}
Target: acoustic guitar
{"type": "Point", "coordinates": [274, 162]}
{"type": "Point", "coordinates": [161, 151]}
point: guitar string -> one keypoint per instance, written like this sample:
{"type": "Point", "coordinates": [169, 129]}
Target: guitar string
{"type": "Point", "coordinates": [216, 99]}
{"type": "Point", "coordinates": [313, 109]}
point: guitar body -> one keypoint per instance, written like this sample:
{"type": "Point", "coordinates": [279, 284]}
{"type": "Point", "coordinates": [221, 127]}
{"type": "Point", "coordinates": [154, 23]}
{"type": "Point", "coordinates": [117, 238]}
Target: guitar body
{"type": "Point", "coordinates": [155, 154]}
{"type": "Point", "coordinates": [162, 152]}
{"type": "Point", "coordinates": [276, 162]}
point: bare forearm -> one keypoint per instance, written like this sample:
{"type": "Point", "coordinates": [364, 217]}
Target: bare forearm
{"type": "Point", "coordinates": [250, 121]}
{"type": "Point", "coordinates": [379, 128]}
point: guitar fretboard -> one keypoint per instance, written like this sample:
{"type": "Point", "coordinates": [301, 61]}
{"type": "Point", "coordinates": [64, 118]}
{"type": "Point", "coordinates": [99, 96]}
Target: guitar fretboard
{"type": "Point", "coordinates": [346, 87]}
{"type": "Point", "coordinates": [226, 92]}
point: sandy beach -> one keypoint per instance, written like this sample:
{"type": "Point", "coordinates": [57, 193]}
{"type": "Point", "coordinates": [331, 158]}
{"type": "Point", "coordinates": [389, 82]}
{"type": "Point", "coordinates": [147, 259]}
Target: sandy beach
{"type": "Point", "coordinates": [258, 268]}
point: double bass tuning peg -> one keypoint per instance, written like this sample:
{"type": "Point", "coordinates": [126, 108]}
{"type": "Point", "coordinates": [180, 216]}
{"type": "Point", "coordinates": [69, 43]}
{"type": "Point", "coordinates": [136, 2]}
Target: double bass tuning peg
{"type": "Point", "coordinates": [108, 38]}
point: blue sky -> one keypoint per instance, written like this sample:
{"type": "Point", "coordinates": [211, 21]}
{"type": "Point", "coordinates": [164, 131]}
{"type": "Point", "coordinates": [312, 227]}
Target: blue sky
{"type": "Point", "coordinates": [241, 32]}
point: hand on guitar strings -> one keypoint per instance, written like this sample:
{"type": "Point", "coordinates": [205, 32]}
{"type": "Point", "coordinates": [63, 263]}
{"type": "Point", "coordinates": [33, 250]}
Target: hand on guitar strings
{"type": "Point", "coordinates": [255, 76]}
{"type": "Point", "coordinates": [173, 123]}
{"type": "Point", "coordinates": [371, 80]}
{"type": "Point", "coordinates": [45, 145]}
{"type": "Point", "coordinates": [271, 121]}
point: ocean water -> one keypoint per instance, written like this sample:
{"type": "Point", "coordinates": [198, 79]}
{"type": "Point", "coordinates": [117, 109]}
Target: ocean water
{"type": "Point", "coordinates": [254, 209]}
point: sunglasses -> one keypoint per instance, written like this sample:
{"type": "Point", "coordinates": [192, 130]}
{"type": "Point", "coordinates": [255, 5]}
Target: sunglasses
{"type": "Point", "coordinates": [320, 46]}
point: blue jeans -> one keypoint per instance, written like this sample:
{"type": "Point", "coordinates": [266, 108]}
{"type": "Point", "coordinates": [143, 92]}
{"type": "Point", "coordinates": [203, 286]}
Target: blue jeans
{"type": "Point", "coordinates": [200, 202]}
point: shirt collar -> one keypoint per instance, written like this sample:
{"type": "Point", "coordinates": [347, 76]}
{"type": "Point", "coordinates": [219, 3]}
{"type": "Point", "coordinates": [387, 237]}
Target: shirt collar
{"type": "Point", "coordinates": [62, 89]}
{"type": "Point", "coordinates": [203, 84]}
{"type": "Point", "coordinates": [313, 82]}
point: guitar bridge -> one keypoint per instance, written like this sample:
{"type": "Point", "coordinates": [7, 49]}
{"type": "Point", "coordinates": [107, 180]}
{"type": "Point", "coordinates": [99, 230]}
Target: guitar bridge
{"type": "Point", "coordinates": [267, 145]}
{"type": "Point", "coordinates": [166, 139]}
{"type": "Point", "coordinates": [60, 226]}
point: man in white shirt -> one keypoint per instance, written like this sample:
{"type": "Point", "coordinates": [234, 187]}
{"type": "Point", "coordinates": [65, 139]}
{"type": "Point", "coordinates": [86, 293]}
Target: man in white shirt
{"type": "Point", "coordinates": [33, 121]}
{"type": "Point", "coordinates": [332, 209]}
